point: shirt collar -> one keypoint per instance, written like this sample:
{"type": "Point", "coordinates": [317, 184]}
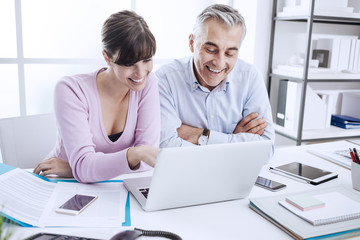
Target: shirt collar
{"type": "Point", "coordinates": [194, 84]}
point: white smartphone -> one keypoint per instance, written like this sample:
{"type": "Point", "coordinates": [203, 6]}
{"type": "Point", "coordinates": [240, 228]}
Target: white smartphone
{"type": "Point", "coordinates": [304, 172]}
{"type": "Point", "coordinates": [269, 184]}
{"type": "Point", "coordinates": [76, 204]}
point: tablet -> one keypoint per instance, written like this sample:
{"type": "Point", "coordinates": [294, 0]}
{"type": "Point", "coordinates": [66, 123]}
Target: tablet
{"type": "Point", "coordinates": [304, 172]}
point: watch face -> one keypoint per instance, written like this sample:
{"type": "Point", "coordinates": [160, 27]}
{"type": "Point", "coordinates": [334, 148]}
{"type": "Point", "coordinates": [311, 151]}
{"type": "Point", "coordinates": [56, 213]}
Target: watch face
{"type": "Point", "coordinates": [203, 140]}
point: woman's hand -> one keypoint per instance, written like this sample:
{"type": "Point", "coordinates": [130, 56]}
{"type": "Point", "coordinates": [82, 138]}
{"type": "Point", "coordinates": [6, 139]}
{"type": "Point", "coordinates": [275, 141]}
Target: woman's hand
{"type": "Point", "coordinates": [55, 166]}
{"type": "Point", "coordinates": [146, 154]}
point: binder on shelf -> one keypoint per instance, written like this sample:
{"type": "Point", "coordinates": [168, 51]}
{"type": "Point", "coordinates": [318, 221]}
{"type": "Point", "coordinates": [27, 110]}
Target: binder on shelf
{"type": "Point", "coordinates": [356, 67]}
{"type": "Point", "coordinates": [344, 55]}
{"type": "Point", "coordinates": [358, 56]}
{"type": "Point", "coordinates": [345, 122]}
{"type": "Point", "coordinates": [280, 115]}
{"type": "Point", "coordinates": [292, 108]}
{"type": "Point", "coordinates": [333, 46]}
{"type": "Point", "coordinates": [329, 101]}
{"type": "Point", "coordinates": [317, 107]}
{"type": "Point", "coordinates": [352, 54]}
{"type": "Point", "coordinates": [345, 126]}
{"type": "Point", "coordinates": [345, 119]}
{"type": "Point", "coordinates": [270, 209]}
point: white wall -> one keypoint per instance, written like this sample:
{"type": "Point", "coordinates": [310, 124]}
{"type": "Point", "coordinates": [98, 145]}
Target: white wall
{"type": "Point", "coordinates": [255, 48]}
{"type": "Point", "coordinates": [262, 37]}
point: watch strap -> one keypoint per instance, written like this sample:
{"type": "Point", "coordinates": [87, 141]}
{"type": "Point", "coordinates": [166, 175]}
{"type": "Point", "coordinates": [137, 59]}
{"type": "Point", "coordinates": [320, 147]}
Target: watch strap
{"type": "Point", "coordinates": [206, 132]}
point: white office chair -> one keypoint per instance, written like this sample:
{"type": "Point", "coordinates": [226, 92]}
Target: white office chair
{"type": "Point", "coordinates": [25, 141]}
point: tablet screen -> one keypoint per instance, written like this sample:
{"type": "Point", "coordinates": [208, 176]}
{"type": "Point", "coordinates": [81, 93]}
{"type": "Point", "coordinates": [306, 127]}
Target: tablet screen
{"type": "Point", "coordinates": [303, 170]}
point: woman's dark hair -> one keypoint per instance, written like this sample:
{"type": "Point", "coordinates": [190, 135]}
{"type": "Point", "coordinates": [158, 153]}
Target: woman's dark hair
{"type": "Point", "coordinates": [129, 34]}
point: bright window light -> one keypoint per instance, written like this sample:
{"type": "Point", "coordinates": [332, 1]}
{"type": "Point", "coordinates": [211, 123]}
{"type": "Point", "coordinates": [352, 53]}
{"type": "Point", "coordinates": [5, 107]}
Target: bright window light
{"type": "Point", "coordinates": [9, 91]}
{"type": "Point", "coordinates": [7, 29]}
{"type": "Point", "coordinates": [248, 11]}
{"type": "Point", "coordinates": [66, 28]}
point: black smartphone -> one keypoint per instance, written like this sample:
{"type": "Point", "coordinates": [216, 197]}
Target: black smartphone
{"type": "Point", "coordinates": [269, 184]}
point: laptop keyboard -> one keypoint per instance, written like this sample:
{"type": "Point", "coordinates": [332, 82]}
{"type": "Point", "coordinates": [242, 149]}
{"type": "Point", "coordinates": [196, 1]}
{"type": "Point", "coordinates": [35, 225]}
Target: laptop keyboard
{"type": "Point", "coordinates": [144, 191]}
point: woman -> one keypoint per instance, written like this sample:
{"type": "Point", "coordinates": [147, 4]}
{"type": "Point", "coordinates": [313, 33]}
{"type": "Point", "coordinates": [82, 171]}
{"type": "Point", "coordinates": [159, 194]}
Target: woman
{"type": "Point", "coordinates": [109, 120]}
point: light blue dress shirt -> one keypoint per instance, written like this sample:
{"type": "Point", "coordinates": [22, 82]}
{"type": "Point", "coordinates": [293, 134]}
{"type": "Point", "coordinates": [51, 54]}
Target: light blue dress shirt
{"type": "Point", "coordinates": [184, 100]}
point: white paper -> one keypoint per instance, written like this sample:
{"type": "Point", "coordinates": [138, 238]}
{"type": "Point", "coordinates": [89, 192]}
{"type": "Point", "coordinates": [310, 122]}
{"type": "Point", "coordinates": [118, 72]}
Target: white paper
{"type": "Point", "coordinates": [338, 207]}
{"type": "Point", "coordinates": [106, 211]}
{"type": "Point", "coordinates": [23, 196]}
{"type": "Point", "coordinates": [332, 155]}
{"type": "Point", "coordinates": [355, 141]}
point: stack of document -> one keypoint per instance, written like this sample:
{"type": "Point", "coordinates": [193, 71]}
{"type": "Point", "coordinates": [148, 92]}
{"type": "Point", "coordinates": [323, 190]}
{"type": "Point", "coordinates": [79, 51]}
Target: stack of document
{"type": "Point", "coordinates": [337, 208]}
{"type": "Point", "coordinates": [298, 228]}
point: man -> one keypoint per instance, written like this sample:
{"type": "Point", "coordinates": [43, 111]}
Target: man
{"type": "Point", "coordinates": [214, 97]}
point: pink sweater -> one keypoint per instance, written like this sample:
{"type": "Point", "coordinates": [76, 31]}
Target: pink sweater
{"type": "Point", "coordinates": [82, 139]}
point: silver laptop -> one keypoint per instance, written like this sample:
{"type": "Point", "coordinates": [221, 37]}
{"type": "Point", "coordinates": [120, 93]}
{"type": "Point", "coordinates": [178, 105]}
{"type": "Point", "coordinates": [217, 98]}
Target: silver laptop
{"type": "Point", "coordinates": [187, 176]}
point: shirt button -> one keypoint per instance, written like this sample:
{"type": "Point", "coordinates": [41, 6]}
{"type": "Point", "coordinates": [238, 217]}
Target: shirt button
{"type": "Point", "coordinates": [194, 85]}
{"type": "Point", "coordinates": [212, 116]}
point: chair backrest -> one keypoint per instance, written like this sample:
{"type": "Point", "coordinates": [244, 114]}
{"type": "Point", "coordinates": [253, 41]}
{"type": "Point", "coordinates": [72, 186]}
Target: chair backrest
{"type": "Point", "coordinates": [25, 141]}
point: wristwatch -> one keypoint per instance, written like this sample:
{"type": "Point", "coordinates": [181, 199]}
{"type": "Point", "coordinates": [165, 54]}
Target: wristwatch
{"type": "Point", "coordinates": [204, 137]}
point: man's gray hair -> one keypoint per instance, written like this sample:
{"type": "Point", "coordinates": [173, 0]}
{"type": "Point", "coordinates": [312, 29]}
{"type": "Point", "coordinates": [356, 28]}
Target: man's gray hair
{"type": "Point", "coordinates": [224, 14]}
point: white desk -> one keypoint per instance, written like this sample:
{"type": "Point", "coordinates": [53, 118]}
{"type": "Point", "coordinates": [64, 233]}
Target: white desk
{"type": "Point", "coordinates": [225, 220]}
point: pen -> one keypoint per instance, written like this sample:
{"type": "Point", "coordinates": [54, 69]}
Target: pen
{"type": "Point", "coordinates": [356, 156]}
{"type": "Point", "coordinates": [352, 154]}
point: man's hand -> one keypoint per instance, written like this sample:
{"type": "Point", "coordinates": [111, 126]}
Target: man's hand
{"type": "Point", "coordinates": [189, 133]}
{"type": "Point", "coordinates": [250, 125]}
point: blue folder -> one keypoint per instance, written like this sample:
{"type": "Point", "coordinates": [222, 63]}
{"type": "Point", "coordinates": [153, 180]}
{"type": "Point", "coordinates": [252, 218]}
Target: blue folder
{"type": "Point", "coordinates": [345, 119]}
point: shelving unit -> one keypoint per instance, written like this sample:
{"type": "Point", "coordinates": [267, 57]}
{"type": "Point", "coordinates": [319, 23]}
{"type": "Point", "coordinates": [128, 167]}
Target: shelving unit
{"type": "Point", "coordinates": [310, 135]}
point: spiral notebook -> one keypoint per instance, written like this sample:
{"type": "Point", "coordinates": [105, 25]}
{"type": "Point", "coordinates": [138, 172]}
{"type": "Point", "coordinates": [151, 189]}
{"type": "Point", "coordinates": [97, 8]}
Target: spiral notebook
{"type": "Point", "coordinates": [338, 208]}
